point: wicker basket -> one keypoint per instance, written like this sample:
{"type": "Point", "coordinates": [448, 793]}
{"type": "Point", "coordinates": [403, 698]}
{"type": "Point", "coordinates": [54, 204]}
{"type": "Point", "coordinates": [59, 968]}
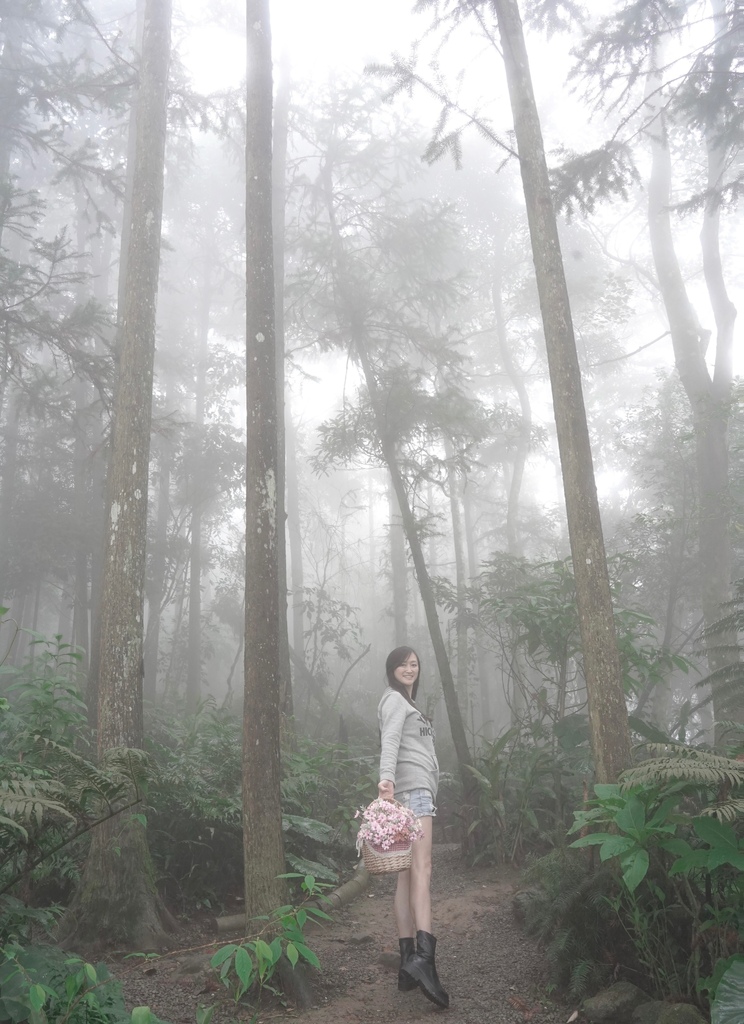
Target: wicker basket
{"type": "Point", "coordinates": [382, 862]}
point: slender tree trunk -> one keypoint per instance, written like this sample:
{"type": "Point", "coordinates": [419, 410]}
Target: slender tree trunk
{"type": "Point", "coordinates": [262, 816]}
{"type": "Point", "coordinates": [513, 540]}
{"type": "Point", "coordinates": [279, 199]}
{"type": "Point", "coordinates": [194, 644]}
{"type": "Point", "coordinates": [294, 534]}
{"type": "Point", "coordinates": [607, 711]}
{"type": "Point", "coordinates": [8, 480]}
{"type": "Point", "coordinates": [461, 582]}
{"type": "Point", "coordinates": [483, 657]}
{"type": "Point", "coordinates": [398, 569]}
{"type": "Point", "coordinates": [116, 901]}
{"type": "Point", "coordinates": [709, 397]}
{"type": "Point", "coordinates": [156, 582]}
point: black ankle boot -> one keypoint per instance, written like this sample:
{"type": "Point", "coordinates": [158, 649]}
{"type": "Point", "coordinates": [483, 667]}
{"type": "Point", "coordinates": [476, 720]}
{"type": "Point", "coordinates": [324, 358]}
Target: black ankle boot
{"type": "Point", "coordinates": [407, 949]}
{"type": "Point", "coordinates": [422, 969]}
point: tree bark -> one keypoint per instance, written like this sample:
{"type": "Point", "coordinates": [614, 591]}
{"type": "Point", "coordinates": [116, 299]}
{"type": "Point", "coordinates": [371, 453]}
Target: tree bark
{"type": "Point", "coordinates": [608, 717]}
{"type": "Point", "coordinates": [279, 199]}
{"type": "Point", "coordinates": [194, 656]}
{"type": "Point", "coordinates": [513, 540]}
{"type": "Point", "coordinates": [262, 815]}
{"type": "Point", "coordinates": [461, 582]}
{"type": "Point", "coordinates": [116, 901]}
{"type": "Point", "coordinates": [398, 569]}
{"type": "Point", "coordinates": [156, 583]}
{"type": "Point", "coordinates": [294, 534]}
{"type": "Point", "coordinates": [709, 396]}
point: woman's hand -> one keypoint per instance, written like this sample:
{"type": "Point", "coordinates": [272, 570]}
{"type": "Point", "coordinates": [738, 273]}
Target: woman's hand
{"type": "Point", "coordinates": [385, 790]}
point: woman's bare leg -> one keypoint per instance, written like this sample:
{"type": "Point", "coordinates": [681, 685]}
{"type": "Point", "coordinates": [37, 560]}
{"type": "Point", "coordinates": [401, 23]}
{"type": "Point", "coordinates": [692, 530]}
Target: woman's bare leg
{"type": "Point", "coordinates": [403, 916]}
{"type": "Point", "coordinates": [419, 895]}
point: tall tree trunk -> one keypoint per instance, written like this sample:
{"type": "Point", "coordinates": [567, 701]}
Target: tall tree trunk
{"type": "Point", "coordinates": [513, 540]}
{"type": "Point", "coordinates": [608, 717]}
{"type": "Point", "coordinates": [294, 534]}
{"type": "Point", "coordinates": [156, 581]}
{"type": "Point", "coordinates": [483, 657]}
{"type": "Point", "coordinates": [262, 815]}
{"type": "Point", "coordinates": [461, 582]}
{"type": "Point", "coordinates": [116, 901]}
{"type": "Point", "coordinates": [709, 396]}
{"type": "Point", "coordinates": [194, 643]}
{"type": "Point", "coordinates": [279, 199]}
{"type": "Point", "coordinates": [8, 483]}
{"type": "Point", "coordinates": [398, 569]}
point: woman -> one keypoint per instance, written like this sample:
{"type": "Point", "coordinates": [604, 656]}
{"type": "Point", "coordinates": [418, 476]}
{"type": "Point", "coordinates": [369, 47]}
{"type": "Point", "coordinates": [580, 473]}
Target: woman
{"type": "Point", "coordinates": [409, 773]}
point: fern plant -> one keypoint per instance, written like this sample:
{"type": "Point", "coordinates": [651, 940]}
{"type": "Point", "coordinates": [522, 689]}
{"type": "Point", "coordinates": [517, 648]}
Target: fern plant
{"type": "Point", "coordinates": [50, 793]}
{"type": "Point", "coordinates": [564, 904]}
{"type": "Point", "coordinates": [717, 782]}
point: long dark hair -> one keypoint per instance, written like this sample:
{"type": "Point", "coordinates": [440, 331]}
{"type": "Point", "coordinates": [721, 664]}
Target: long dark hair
{"type": "Point", "coordinates": [394, 660]}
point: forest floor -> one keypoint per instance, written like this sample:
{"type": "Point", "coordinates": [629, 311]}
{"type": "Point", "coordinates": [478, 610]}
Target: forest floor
{"type": "Point", "coordinates": [493, 972]}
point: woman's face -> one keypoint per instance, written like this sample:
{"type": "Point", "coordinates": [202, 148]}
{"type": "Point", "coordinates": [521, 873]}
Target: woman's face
{"type": "Point", "coordinates": [407, 673]}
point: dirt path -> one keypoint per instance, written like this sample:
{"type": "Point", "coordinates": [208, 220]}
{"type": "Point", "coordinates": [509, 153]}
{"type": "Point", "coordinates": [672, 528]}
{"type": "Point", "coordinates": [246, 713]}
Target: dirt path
{"type": "Point", "coordinates": [494, 974]}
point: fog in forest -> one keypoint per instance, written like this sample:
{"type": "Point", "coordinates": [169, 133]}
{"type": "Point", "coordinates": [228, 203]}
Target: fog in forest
{"type": "Point", "coordinates": [414, 350]}
{"type": "Point", "coordinates": [402, 177]}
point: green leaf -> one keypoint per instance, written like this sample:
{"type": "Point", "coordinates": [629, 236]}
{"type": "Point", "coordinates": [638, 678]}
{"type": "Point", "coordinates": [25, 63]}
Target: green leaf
{"type": "Point", "coordinates": [90, 973]}
{"type": "Point", "coordinates": [690, 861]}
{"type": "Point", "coordinates": [632, 817]}
{"type": "Point", "coordinates": [309, 827]}
{"type": "Point", "coordinates": [319, 914]}
{"type": "Point", "coordinates": [243, 966]}
{"type": "Point", "coordinates": [727, 1005]}
{"type": "Point", "coordinates": [614, 846]}
{"type": "Point", "coordinates": [595, 839]}
{"type": "Point", "coordinates": [36, 997]}
{"type": "Point", "coordinates": [264, 954]}
{"type": "Point", "coordinates": [607, 791]}
{"type": "Point", "coordinates": [635, 868]}
{"type": "Point", "coordinates": [292, 955]}
{"type": "Point", "coordinates": [204, 1013]}
{"type": "Point", "coordinates": [223, 954]}
{"type": "Point", "coordinates": [142, 1015]}
{"type": "Point", "coordinates": [716, 834]}
{"type": "Point", "coordinates": [307, 954]}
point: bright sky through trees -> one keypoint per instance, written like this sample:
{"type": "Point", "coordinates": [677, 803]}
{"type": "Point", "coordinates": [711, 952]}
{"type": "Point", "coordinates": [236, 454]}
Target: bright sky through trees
{"type": "Point", "coordinates": [318, 36]}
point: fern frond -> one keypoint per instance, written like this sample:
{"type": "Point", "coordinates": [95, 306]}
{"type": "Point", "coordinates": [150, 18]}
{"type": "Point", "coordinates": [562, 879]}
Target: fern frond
{"type": "Point", "coordinates": [30, 799]}
{"type": "Point", "coordinates": [699, 767]}
{"type": "Point", "coordinates": [726, 810]}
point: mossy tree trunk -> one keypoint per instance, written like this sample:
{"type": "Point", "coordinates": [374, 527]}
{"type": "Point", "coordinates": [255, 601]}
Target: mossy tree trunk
{"type": "Point", "coordinates": [116, 902]}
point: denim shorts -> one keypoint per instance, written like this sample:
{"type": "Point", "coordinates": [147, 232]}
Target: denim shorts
{"type": "Point", "coordinates": [420, 801]}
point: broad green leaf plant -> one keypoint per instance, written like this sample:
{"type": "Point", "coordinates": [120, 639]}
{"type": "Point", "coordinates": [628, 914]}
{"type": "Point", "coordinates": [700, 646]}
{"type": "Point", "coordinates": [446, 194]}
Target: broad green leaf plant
{"type": "Point", "coordinates": [254, 961]}
{"type": "Point", "coordinates": [681, 896]}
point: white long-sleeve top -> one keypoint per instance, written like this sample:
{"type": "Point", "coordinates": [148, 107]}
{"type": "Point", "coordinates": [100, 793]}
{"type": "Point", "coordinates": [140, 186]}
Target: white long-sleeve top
{"type": "Point", "coordinates": [407, 758]}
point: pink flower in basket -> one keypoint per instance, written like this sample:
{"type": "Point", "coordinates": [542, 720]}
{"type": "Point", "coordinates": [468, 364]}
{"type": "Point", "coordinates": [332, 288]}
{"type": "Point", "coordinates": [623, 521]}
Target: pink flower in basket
{"type": "Point", "coordinates": [386, 825]}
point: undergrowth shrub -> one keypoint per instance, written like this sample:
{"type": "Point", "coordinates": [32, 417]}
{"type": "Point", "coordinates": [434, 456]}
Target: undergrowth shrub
{"type": "Point", "coordinates": [40, 984]}
{"type": "Point", "coordinates": [528, 783]}
{"type": "Point", "coordinates": [564, 903]}
{"type": "Point", "coordinates": [665, 906]}
{"type": "Point", "coordinates": [51, 795]}
{"type": "Point", "coordinates": [195, 806]}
